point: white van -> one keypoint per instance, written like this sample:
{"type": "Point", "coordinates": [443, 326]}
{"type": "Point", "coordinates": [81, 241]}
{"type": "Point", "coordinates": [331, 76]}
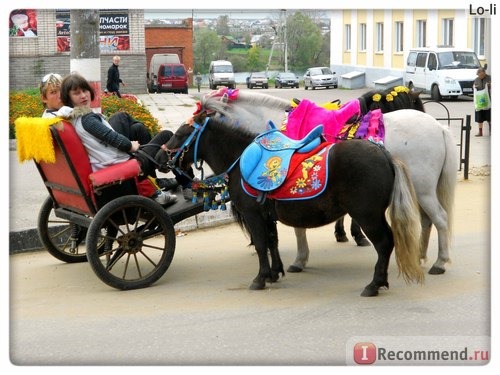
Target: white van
{"type": "Point", "coordinates": [220, 73]}
{"type": "Point", "coordinates": [442, 71]}
{"type": "Point", "coordinates": [156, 60]}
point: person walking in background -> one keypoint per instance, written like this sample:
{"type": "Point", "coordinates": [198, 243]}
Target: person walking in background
{"type": "Point", "coordinates": [198, 80]}
{"type": "Point", "coordinates": [114, 80]}
{"type": "Point", "coordinates": [482, 100]}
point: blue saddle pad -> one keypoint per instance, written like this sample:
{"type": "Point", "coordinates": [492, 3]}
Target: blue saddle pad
{"type": "Point", "coordinates": [265, 162]}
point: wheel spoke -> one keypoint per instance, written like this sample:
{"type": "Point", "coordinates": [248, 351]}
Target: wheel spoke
{"type": "Point", "coordinates": [138, 266]}
{"type": "Point", "coordinates": [115, 257]}
{"type": "Point", "coordinates": [148, 258]}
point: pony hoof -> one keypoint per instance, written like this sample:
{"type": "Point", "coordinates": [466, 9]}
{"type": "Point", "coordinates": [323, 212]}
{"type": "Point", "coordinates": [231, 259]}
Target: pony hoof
{"type": "Point", "coordinates": [436, 270]}
{"type": "Point", "coordinates": [369, 292]}
{"type": "Point", "coordinates": [362, 241]}
{"type": "Point", "coordinates": [294, 269]}
{"type": "Point", "coordinates": [258, 285]}
{"type": "Point", "coordinates": [273, 278]}
{"type": "Point", "coordinates": [342, 238]}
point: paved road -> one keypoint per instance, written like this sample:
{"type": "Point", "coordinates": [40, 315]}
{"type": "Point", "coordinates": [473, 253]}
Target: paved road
{"type": "Point", "coordinates": [201, 311]}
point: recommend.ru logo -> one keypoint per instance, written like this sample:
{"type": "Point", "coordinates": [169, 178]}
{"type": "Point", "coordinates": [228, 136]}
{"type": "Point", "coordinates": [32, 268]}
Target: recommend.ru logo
{"type": "Point", "coordinates": [418, 350]}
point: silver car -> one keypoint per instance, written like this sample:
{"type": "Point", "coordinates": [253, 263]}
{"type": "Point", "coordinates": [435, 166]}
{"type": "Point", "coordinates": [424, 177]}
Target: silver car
{"type": "Point", "coordinates": [320, 77]}
{"type": "Point", "coordinates": [258, 80]}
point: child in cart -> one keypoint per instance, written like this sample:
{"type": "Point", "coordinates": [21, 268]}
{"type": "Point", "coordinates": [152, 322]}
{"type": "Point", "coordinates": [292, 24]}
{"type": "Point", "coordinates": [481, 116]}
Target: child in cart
{"type": "Point", "coordinates": [105, 146]}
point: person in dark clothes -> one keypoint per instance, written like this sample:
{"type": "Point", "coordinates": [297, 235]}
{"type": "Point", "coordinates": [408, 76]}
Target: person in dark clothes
{"type": "Point", "coordinates": [114, 80]}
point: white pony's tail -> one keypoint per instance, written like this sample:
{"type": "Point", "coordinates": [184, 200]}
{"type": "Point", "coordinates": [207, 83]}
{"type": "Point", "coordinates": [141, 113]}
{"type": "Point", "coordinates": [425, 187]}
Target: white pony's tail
{"type": "Point", "coordinates": [405, 224]}
{"type": "Point", "coordinates": [448, 179]}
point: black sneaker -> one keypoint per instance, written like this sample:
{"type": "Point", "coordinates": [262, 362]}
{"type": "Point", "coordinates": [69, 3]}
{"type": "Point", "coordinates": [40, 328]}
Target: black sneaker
{"type": "Point", "coordinates": [164, 198]}
{"type": "Point", "coordinates": [167, 183]}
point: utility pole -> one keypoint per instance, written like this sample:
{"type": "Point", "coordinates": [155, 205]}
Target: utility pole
{"type": "Point", "coordinates": [285, 41]}
{"type": "Point", "coordinates": [272, 48]}
{"type": "Point", "coordinates": [85, 57]}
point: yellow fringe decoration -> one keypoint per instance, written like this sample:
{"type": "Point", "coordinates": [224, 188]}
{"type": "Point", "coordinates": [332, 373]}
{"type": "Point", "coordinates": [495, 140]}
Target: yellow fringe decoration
{"type": "Point", "coordinates": [34, 140]}
{"type": "Point", "coordinates": [331, 106]}
{"type": "Point", "coordinates": [402, 89]}
{"type": "Point", "coordinates": [153, 181]}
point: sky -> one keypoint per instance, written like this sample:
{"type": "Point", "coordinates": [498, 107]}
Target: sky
{"type": "Point", "coordinates": [212, 13]}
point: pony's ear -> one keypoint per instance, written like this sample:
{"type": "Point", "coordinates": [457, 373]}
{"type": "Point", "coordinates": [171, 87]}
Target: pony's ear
{"type": "Point", "coordinates": [415, 93]}
{"type": "Point", "coordinates": [200, 117]}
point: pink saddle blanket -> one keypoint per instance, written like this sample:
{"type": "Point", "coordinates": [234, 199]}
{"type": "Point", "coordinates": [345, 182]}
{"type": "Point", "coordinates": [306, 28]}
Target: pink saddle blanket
{"type": "Point", "coordinates": [307, 115]}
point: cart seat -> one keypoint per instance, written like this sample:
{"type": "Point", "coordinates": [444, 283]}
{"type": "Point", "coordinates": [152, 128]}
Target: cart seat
{"type": "Point", "coordinates": [70, 180]}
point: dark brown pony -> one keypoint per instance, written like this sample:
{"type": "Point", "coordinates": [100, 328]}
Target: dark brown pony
{"type": "Point", "coordinates": [381, 184]}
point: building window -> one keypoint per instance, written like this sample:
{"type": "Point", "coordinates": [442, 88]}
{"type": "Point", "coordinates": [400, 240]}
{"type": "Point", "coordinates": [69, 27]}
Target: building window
{"type": "Point", "coordinates": [347, 41]}
{"type": "Point", "coordinates": [448, 32]}
{"type": "Point", "coordinates": [362, 37]}
{"type": "Point", "coordinates": [478, 28]}
{"type": "Point", "coordinates": [399, 37]}
{"type": "Point", "coordinates": [380, 36]}
{"type": "Point", "coordinates": [421, 33]}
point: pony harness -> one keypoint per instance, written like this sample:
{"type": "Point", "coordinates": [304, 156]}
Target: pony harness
{"type": "Point", "coordinates": [278, 167]}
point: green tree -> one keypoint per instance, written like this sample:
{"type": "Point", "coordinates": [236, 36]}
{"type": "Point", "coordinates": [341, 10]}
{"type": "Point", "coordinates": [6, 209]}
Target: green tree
{"type": "Point", "coordinates": [253, 59]}
{"type": "Point", "coordinates": [304, 41]}
{"type": "Point", "coordinates": [222, 25]}
{"type": "Point", "coordinates": [206, 48]}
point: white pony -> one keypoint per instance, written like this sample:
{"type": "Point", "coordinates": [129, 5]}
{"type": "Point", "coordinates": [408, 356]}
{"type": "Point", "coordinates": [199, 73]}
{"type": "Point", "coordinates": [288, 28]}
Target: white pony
{"type": "Point", "coordinates": [418, 139]}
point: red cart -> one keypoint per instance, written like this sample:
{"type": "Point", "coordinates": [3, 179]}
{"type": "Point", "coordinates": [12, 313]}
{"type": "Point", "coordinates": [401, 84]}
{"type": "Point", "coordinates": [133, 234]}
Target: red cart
{"type": "Point", "coordinates": [128, 238]}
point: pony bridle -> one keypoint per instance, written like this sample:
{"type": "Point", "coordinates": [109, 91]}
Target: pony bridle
{"type": "Point", "coordinates": [178, 154]}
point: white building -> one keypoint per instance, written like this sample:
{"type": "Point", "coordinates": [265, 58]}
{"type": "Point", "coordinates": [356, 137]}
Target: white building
{"type": "Point", "coordinates": [376, 42]}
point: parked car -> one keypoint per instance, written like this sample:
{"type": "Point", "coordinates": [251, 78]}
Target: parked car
{"type": "Point", "coordinates": [320, 77]}
{"type": "Point", "coordinates": [172, 78]}
{"type": "Point", "coordinates": [258, 80]}
{"type": "Point", "coordinates": [286, 80]}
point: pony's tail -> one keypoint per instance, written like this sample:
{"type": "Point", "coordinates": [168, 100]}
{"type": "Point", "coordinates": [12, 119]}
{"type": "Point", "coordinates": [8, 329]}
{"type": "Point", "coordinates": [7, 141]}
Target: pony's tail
{"type": "Point", "coordinates": [448, 180]}
{"type": "Point", "coordinates": [405, 223]}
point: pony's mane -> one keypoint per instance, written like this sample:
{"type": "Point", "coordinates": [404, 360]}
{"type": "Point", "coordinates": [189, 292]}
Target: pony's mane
{"type": "Point", "coordinates": [250, 110]}
{"type": "Point", "coordinates": [235, 127]}
{"type": "Point", "coordinates": [391, 99]}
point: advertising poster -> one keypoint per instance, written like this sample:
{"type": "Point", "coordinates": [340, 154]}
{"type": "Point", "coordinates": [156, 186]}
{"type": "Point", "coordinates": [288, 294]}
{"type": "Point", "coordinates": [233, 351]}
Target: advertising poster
{"type": "Point", "coordinates": [113, 26]}
{"type": "Point", "coordinates": [23, 23]}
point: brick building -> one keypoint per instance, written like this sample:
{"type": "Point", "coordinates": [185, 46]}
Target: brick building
{"type": "Point", "coordinates": [176, 38]}
{"type": "Point", "coordinates": [122, 32]}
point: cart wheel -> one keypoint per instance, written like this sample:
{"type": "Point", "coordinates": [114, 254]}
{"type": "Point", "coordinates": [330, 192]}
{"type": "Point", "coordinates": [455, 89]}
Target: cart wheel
{"type": "Point", "coordinates": [134, 256]}
{"type": "Point", "coordinates": [63, 239]}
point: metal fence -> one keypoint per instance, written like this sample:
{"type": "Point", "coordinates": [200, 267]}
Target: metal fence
{"type": "Point", "coordinates": [464, 145]}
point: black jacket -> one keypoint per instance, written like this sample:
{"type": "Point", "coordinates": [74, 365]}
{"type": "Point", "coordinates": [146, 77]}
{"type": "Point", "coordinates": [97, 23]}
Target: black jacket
{"type": "Point", "coordinates": [113, 83]}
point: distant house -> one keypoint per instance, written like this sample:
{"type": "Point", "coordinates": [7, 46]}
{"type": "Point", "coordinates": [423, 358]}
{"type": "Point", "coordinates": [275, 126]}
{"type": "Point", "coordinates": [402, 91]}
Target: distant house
{"type": "Point", "coordinates": [233, 42]}
{"type": "Point", "coordinates": [255, 40]}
